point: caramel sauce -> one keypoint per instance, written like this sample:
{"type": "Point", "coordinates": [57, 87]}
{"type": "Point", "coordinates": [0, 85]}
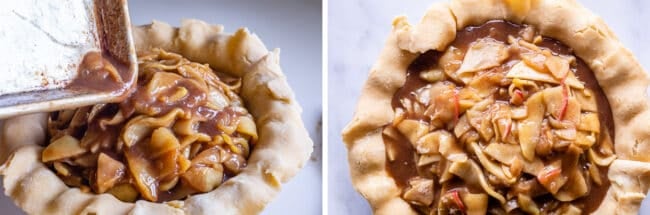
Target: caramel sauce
{"type": "Point", "coordinates": [93, 74]}
{"type": "Point", "coordinates": [141, 99]}
{"type": "Point", "coordinates": [404, 167]}
{"type": "Point", "coordinates": [208, 126]}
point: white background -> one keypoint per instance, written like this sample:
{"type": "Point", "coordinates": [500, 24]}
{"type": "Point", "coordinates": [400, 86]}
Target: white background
{"type": "Point", "coordinates": [292, 25]}
{"type": "Point", "coordinates": [357, 31]}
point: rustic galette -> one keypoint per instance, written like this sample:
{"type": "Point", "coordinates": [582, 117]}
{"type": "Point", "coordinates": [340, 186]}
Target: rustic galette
{"type": "Point", "coordinates": [216, 137]}
{"type": "Point", "coordinates": [506, 107]}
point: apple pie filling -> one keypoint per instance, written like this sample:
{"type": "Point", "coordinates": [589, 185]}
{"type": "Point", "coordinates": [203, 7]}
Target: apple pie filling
{"type": "Point", "coordinates": [504, 121]}
{"type": "Point", "coordinates": [182, 130]}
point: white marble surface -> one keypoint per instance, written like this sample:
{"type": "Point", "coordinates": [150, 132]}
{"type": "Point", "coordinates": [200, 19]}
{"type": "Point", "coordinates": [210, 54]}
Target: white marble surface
{"type": "Point", "coordinates": [292, 25]}
{"type": "Point", "coordinates": [357, 31]}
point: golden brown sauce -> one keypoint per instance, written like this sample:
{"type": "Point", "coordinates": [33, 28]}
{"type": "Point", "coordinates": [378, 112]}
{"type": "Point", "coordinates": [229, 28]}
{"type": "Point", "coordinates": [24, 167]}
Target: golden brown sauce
{"type": "Point", "coordinates": [404, 166]}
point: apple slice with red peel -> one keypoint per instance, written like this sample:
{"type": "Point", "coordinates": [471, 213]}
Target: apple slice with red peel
{"type": "Point", "coordinates": [551, 178]}
{"type": "Point", "coordinates": [456, 197]}
{"type": "Point", "coordinates": [518, 97]}
{"type": "Point", "coordinates": [519, 93]}
{"type": "Point", "coordinates": [565, 102]}
{"type": "Point", "coordinates": [549, 175]}
{"type": "Point", "coordinates": [507, 131]}
{"type": "Point", "coordinates": [456, 107]}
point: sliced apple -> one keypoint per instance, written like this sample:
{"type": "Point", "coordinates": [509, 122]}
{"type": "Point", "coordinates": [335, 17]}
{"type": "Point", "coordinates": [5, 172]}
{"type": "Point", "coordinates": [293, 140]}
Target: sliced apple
{"type": "Point", "coordinates": [166, 164]}
{"type": "Point", "coordinates": [420, 191]}
{"type": "Point", "coordinates": [432, 75]}
{"type": "Point", "coordinates": [483, 54]}
{"type": "Point", "coordinates": [504, 153]}
{"type": "Point", "coordinates": [523, 71]}
{"type": "Point", "coordinates": [589, 122]}
{"type": "Point", "coordinates": [450, 61]}
{"type": "Point", "coordinates": [457, 200]}
{"type": "Point", "coordinates": [600, 160]}
{"type": "Point", "coordinates": [508, 128]}
{"type": "Point", "coordinates": [227, 123]}
{"type": "Point", "coordinates": [162, 141]}
{"type": "Point", "coordinates": [443, 108]}
{"type": "Point", "coordinates": [481, 121]}
{"type": "Point", "coordinates": [428, 144]}
{"type": "Point", "coordinates": [509, 154]}
{"type": "Point", "coordinates": [533, 58]}
{"type": "Point", "coordinates": [413, 129]}
{"type": "Point", "coordinates": [456, 107]}
{"type": "Point", "coordinates": [570, 209]}
{"type": "Point", "coordinates": [549, 175]}
{"type": "Point", "coordinates": [576, 185]}
{"type": "Point", "coordinates": [572, 112]}
{"type": "Point", "coordinates": [585, 140]}
{"type": "Point", "coordinates": [400, 115]}
{"type": "Point", "coordinates": [208, 157]}
{"type": "Point", "coordinates": [247, 126]}
{"type": "Point", "coordinates": [587, 100]}
{"type": "Point", "coordinates": [557, 66]}
{"type": "Point", "coordinates": [490, 165]}
{"type": "Point", "coordinates": [527, 204]}
{"type": "Point", "coordinates": [183, 164]}
{"type": "Point", "coordinates": [168, 183]}
{"type": "Point", "coordinates": [472, 174]}
{"type": "Point", "coordinates": [566, 133]}
{"type": "Point", "coordinates": [448, 147]}
{"type": "Point", "coordinates": [562, 106]}
{"type": "Point", "coordinates": [476, 203]}
{"type": "Point", "coordinates": [462, 126]}
{"type": "Point", "coordinates": [529, 128]}
{"type": "Point", "coordinates": [594, 172]}
{"type": "Point", "coordinates": [142, 173]}
{"type": "Point", "coordinates": [565, 103]}
{"type": "Point", "coordinates": [204, 178]}
{"type": "Point", "coordinates": [501, 120]}
{"type": "Point", "coordinates": [141, 126]}
{"type": "Point", "coordinates": [109, 171]}
{"type": "Point", "coordinates": [428, 159]}
{"type": "Point", "coordinates": [62, 168]}
{"type": "Point", "coordinates": [124, 192]}
{"type": "Point", "coordinates": [485, 84]}
{"type": "Point", "coordinates": [517, 97]}
{"type": "Point", "coordinates": [519, 113]}
{"type": "Point", "coordinates": [64, 147]}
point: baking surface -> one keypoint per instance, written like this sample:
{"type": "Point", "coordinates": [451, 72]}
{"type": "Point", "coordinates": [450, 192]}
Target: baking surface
{"type": "Point", "coordinates": [357, 31]}
{"type": "Point", "coordinates": [292, 25]}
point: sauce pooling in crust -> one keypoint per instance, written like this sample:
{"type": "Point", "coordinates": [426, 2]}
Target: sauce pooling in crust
{"type": "Point", "coordinates": [459, 109]}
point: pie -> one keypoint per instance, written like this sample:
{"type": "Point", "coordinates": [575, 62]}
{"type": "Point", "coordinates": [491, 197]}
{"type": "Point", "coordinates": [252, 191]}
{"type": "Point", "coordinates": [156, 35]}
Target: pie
{"type": "Point", "coordinates": [502, 107]}
{"type": "Point", "coordinates": [212, 127]}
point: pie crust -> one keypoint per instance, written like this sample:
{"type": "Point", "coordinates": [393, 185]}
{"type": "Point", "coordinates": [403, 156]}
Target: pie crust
{"type": "Point", "coordinates": [282, 149]}
{"type": "Point", "coordinates": [617, 71]}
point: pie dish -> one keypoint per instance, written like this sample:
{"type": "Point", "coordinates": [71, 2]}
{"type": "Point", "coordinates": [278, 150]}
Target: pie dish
{"type": "Point", "coordinates": [502, 107]}
{"type": "Point", "coordinates": [211, 128]}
